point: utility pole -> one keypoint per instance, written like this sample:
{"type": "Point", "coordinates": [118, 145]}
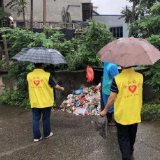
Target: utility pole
{"type": "Point", "coordinates": [44, 16]}
{"type": "Point", "coordinates": [91, 10]}
{"type": "Point", "coordinates": [31, 24]}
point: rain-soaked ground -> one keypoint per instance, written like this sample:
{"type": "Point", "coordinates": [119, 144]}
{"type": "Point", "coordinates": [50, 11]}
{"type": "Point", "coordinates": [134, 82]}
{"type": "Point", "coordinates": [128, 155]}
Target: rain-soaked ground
{"type": "Point", "coordinates": [74, 138]}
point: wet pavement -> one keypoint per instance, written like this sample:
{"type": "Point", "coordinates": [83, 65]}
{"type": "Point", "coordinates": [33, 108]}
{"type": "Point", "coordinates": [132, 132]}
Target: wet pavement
{"type": "Point", "coordinates": [74, 138]}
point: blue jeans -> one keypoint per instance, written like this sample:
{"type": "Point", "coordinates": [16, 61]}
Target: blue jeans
{"type": "Point", "coordinates": [36, 112]}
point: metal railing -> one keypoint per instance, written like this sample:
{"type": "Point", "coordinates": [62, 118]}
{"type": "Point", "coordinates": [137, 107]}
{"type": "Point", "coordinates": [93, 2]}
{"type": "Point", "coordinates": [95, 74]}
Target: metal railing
{"type": "Point", "coordinates": [77, 26]}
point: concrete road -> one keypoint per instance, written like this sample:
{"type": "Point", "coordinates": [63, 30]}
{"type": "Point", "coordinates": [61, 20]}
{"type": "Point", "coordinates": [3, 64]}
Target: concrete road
{"type": "Point", "coordinates": [74, 138]}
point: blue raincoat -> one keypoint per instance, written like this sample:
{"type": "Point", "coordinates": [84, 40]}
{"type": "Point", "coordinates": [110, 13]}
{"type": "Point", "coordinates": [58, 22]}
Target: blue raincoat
{"type": "Point", "coordinates": [109, 72]}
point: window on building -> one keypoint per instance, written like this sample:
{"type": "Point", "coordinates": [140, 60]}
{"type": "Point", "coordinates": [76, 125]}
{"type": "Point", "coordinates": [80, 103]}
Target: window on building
{"type": "Point", "coordinates": [86, 11]}
{"type": "Point", "coordinates": [117, 32]}
{"type": "Point", "coordinates": [20, 24]}
{"type": "Point", "coordinates": [1, 3]}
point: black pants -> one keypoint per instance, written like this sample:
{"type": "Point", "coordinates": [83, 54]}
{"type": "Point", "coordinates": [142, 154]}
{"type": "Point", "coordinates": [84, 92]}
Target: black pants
{"type": "Point", "coordinates": [126, 139]}
{"type": "Point", "coordinates": [109, 117]}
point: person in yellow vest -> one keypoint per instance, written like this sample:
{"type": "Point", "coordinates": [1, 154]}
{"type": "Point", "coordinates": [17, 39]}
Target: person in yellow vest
{"type": "Point", "coordinates": [41, 95]}
{"type": "Point", "coordinates": [126, 94]}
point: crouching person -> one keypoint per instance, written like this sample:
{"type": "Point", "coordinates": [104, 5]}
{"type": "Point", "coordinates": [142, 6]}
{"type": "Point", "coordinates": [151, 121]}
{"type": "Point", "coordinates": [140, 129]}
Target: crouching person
{"type": "Point", "coordinates": [40, 86]}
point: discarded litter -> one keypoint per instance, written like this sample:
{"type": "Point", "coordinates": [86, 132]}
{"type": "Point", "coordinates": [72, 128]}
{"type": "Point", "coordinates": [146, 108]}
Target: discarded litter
{"type": "Point", "coordinates": [84, 101]}
{"type": "Point", "coordinates": [90, 74]}
{"type": "Point", "coordinates": [79, 91]}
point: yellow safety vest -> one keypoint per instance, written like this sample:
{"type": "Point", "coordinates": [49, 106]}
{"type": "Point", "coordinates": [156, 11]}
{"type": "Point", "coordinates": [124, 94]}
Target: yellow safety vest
{"type": "Point", "coordinates": [128, 103]}
{"type": "Point", "coordinates": [40, 92]}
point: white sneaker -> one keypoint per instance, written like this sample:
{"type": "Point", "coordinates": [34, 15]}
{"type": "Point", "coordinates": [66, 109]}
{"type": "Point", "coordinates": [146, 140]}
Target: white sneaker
{"type": "Point", "coordinates": [37, 140]}
{"type": "Point", "coordinates": [50, 135]}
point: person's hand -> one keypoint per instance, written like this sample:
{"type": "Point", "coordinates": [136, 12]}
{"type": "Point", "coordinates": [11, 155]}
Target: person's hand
{"type": "Point", "coordinates": [62, 88]}
{"type": "Point", "coordinates": [103, 113]}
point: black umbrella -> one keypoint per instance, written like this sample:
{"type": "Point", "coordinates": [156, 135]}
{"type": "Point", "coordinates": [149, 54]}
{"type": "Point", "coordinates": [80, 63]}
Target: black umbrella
{"type": "Point", "coordinates": [40, 55]}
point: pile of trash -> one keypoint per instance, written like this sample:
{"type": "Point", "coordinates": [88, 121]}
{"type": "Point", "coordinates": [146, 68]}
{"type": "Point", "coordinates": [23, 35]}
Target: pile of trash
{"type": "Point", "coordinates": [84, 101]}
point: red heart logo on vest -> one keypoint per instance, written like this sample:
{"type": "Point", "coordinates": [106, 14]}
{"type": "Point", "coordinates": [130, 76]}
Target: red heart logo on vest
{"type": "Point", "coordinates": [36, 82]}
{"type": "Point", "coordinates": [132, 88]}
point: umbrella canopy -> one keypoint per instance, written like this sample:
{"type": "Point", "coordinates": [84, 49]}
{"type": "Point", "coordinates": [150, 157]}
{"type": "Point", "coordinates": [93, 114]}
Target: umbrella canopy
{"type": "Point", "coordinates": [40, 55]}
{"type": "Point", "coordinates": [128, 52]}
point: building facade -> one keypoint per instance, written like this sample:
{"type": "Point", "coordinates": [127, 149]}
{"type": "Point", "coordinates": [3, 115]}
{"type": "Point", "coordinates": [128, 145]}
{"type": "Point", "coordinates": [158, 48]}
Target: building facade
{"type": "Point", "coordinates": [56, 11]}
{"type": "Point", "coordinates": [117, 26]}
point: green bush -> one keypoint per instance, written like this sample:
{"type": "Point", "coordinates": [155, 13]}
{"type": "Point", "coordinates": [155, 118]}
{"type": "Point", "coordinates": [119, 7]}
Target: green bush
{"type": "Point", "coordinates": [20, 96]}
{"type": "Point", "coordinates": [80, 52]}
{"type": "Point", "coordinates": [15, 98]}
{"type": "Point", "coordinates": [3, 15]}
{"type": "Point", "coordinates": [59, 41]}
{"type": "Point", "coordinates": [76, 61]}
{"type": "Point", "coordinates": [1, 65]}
{"type": "Point", "coordinates": [17, 39]}
{"type": "Point", "coordinates": [154, 71]}
{"type": "Point", "coordinates": [85, 46]}
{"type": "Point", "coordinates": [151, 111]}
{"type": "Point", "coordinates": [151, 23]}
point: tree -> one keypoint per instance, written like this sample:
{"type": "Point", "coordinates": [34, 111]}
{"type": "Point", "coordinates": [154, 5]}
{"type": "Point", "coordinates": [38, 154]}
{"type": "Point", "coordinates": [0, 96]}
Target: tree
{"type": "Point", "coordinates": [80, 52]}
{"type": "Point", "coordinates": [3, 16]}
{"type": "Point", "coordinates": [139, 9]}
{"type": "Point", "coordinates": [84, 54]}
{"type": "Point", "coordinates": [132, 17]}
{"type": "Point", "coordinates": [19, 6]}
{"type": "Point", "coordinates": [18, 39]}
{"type": "Point", "coordinates": [150, 23]}
{"type": "Point", "coordinates": [31, 24]}
{"type": "Point", "coordinates": [146, 25]}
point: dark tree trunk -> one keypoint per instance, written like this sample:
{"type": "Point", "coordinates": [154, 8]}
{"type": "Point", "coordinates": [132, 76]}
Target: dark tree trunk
{"type": "Point", "coordinates": [133, 18]}
{"type": "Point", "coordinates": [44, 16]}
{"type": "Point", "coordinates": [31, 25]}
{"type": "Point", "coordinates": [2, 4]}
{"type": "Point", "coordinates": [5, 49]}
{"type": "Point", "coordinates": [1, 53]}
{"type": "Point", "coordinates": [23, 10]}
